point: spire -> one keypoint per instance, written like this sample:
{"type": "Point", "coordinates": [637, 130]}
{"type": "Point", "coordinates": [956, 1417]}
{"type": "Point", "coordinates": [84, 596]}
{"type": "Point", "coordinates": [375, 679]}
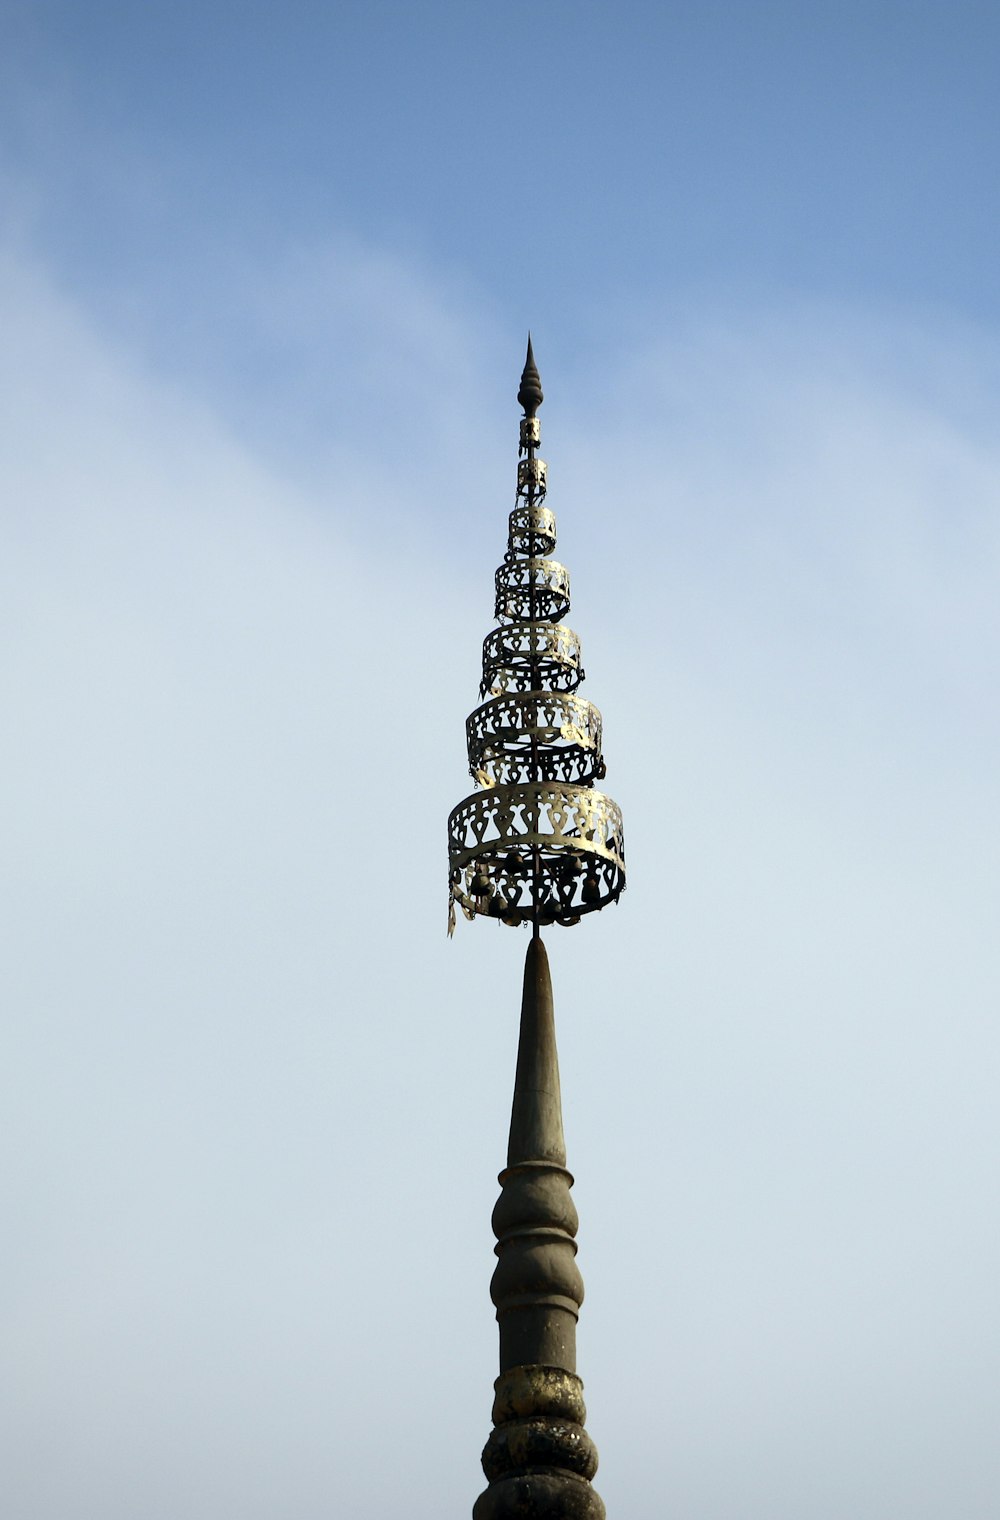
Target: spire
{"type": "Point", "coordinates": [530, 390]}
{"type": "Point", "coordinates": [537, 844]}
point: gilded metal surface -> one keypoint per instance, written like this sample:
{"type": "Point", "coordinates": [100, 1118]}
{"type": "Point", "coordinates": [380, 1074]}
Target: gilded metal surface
{"type": "Point", "coordinates": [544, 734]}
{"type": "Point", "coordinates": [532, 588]}
{"type": "Point", "coordinates": [538, 844]}
{"type": "Point", "coordinates": [531, 477]}
{"type": "Point", "coordinates": [545, 849]}
{"type": "Point", "coordinates": [531, 531]}
{"type": "Point", "coordinates": [530, 657]}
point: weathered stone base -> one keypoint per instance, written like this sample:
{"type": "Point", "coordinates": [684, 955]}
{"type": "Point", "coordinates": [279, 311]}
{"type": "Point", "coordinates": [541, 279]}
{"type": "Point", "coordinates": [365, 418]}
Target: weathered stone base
{"type": "Point", "coordinates": [539, 1441]}
{"type": "Point", "coordinates": [539, 1459]}
{"type": "Point", "coordinates": [540, 1494]}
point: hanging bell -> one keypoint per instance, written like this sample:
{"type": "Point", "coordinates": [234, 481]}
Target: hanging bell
{"type": "Point", "coordinates": [567, 867]}
{"type": "Point", "coordinates": [480, 886]}
{"type": "Point", "coordinates": [498, 905]}
{"type": "Point", "coordinates": [591, 891]}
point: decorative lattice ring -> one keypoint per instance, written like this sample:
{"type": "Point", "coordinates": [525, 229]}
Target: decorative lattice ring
{"type": "Point", "coordinates": [532, 588]}
{"type": "Point", "coordinates": [553, 844]}
{"type": "Point", "coordinates": [526, 656]}
{"type": "Point", "coordinates": [543, 735]}
{"type": "Point", "coordinates": [531, 531]}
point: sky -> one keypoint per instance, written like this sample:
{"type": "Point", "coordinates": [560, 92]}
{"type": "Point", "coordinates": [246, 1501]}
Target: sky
{"type": "Point", "coordinates": [265, 279]}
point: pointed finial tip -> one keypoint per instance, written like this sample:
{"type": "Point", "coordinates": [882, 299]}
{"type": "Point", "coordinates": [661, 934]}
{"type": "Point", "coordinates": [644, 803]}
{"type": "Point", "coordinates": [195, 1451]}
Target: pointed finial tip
{"type": "Point", "coordinates": [530, 391]}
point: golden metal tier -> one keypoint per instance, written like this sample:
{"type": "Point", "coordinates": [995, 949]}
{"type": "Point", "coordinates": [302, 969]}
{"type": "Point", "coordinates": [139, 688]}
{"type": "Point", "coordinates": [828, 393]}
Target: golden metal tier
{"type": "Point", "coordinates": [532, 588]}
{"type": "Point", "coordinates": [531, 530]}
{"type": "Point", "coordinates": [512, 737]}
{"type": "Point", "coordinates": [544, 852]}
{"type": "Point", "coordinates": [524, 656]}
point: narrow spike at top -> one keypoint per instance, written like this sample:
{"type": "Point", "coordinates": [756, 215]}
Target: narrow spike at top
{"type": "Point", "coordinates": [530, 391]}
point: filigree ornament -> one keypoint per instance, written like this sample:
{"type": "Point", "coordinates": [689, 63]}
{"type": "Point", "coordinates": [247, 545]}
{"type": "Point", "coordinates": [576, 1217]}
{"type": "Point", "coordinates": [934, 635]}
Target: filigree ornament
{"type": "Point", "coordinates": [531, 656]}
{"type": "Point", "coordinates": [537, 844]}
{"type": "Point", "coordinates": [532, 588]}
{"type": "Point", "coordinates": [542, 735]}
{"type": "Point", "coordinates": [531, 531]}
{"type": "Point", "coordinates": [538, 851]}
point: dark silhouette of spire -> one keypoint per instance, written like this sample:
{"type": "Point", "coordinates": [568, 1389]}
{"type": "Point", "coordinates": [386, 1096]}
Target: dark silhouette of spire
{"type": "Point", "coordinates": [530, 390]}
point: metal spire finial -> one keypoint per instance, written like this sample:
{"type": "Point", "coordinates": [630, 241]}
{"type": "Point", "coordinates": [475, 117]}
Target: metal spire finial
{"type": "Point", "coordinates": [530, 390]}
{"type": "Point", "coordinates": [538, 844]}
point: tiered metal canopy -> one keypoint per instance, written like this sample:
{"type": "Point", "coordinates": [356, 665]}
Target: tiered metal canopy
{"type": "Point", "coordinates": [536, 844]}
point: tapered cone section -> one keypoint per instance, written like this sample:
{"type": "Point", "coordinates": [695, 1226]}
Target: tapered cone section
{"type": "Point", "coordinates": [539, 1458]}
{"type": "Point", "coordinates": [536, 1124]}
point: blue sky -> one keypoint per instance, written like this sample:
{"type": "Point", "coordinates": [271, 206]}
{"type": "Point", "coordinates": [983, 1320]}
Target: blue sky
{"type": "Point", "coordinates": [591, 162]}
{"type": "Point", "coordinates": [264, 284]}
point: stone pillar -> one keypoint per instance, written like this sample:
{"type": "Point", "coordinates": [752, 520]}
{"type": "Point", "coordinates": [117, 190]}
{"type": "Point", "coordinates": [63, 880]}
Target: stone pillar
{"type": "Point", "coordinates": [539, 1459]}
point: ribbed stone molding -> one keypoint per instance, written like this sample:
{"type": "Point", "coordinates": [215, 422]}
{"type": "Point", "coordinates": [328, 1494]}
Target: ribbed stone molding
{"type": "Point", "coordinates": [539, 1459]}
